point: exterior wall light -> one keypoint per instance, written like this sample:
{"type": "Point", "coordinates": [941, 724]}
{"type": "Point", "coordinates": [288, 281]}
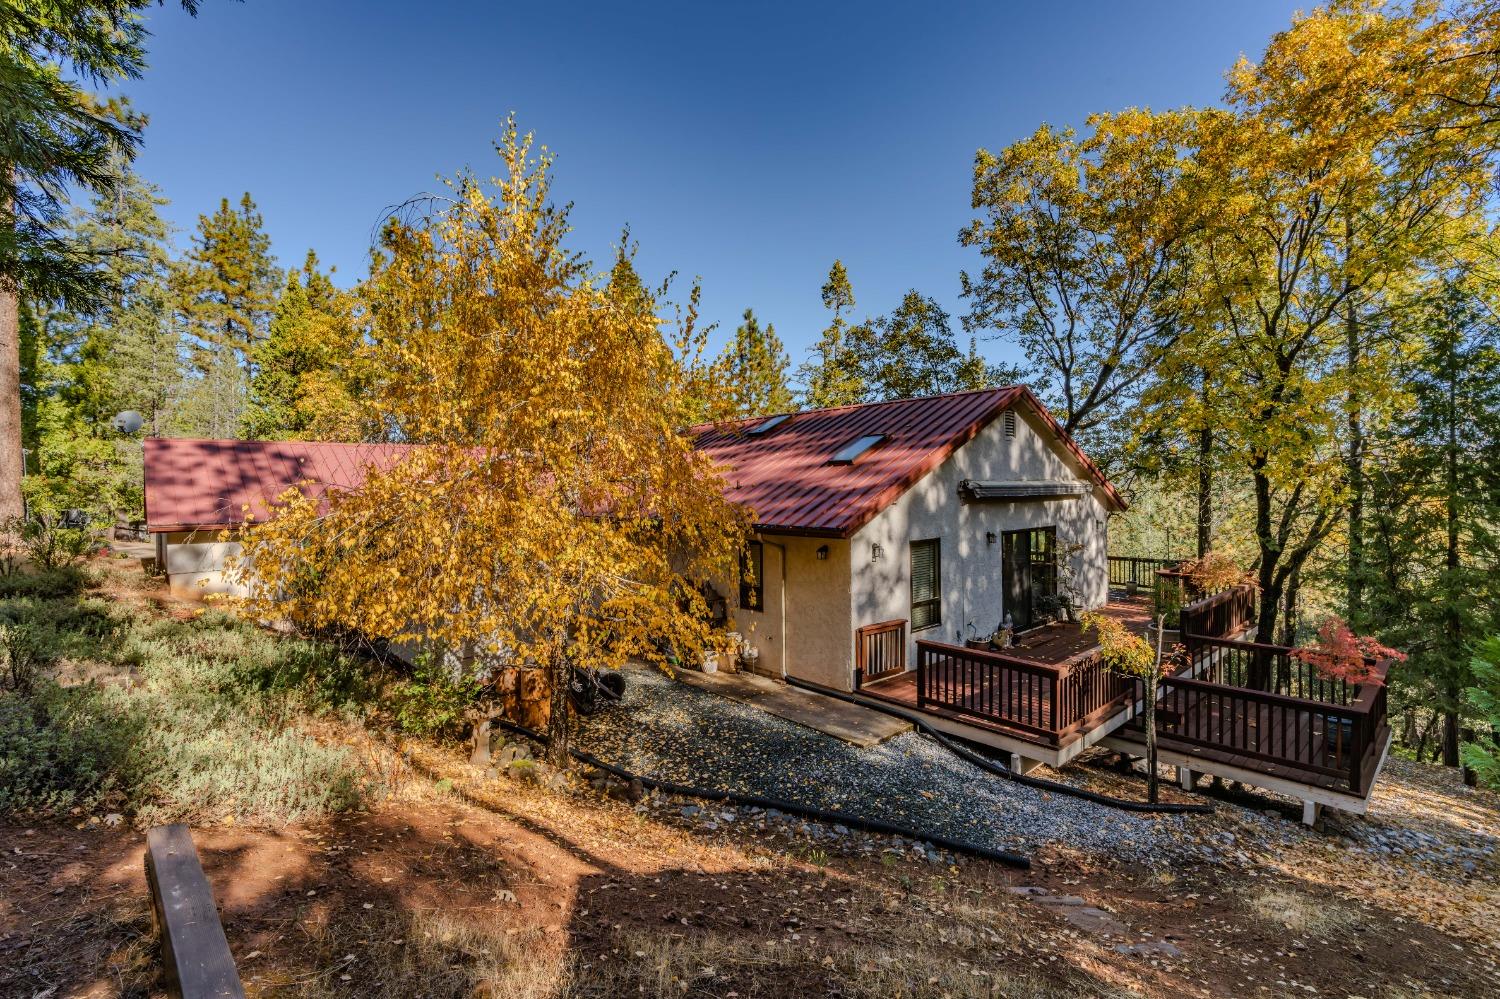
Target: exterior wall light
{"type": "Point", "coordinates": [822, 553]}
{"type": "Point", "coordinates": [877, 552]}
{"type": "Point", "coordinates": [989, 537]}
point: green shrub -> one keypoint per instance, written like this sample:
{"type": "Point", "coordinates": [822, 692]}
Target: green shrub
{"type": "Point", "coordinates": [60, 748]}
{"type": "Point", "coordinates": [51, 584]}
{"type": "Point", "coordinates": [210, 725]}
{"type": "Point", "coordinates": [25, 650]}
{"type": "Point", "coordinates": [50, 547]}
{"type": "Point", "coordinates": [431, 702]}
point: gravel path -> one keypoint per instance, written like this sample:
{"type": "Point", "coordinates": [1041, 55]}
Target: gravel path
{"type": "Point", "coordinates": [674, 732]}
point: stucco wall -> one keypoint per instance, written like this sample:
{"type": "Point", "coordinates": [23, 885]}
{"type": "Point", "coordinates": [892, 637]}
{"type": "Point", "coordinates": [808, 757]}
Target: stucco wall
{"type": "Point", "coordinates": [971, 572]}
{"type": "Point", "coordinates": [194, 564]}
{"type": "Point", "coordinates": [819, 638]}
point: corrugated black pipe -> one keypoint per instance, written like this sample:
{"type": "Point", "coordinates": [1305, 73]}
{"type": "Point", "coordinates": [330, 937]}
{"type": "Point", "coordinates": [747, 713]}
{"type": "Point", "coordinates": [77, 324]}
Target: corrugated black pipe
{"type": "Point", "coordinates": [999, 770]}
{"type": "Point", "coordinates": [790, 807]}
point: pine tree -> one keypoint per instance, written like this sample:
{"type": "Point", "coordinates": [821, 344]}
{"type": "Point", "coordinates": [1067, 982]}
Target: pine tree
{"type": "Point", "coordinates": [228, 283]}
{"type": "Point", "coordinates": [123, 353]}
{"type": "Point", "coordinates": [55, 135]}
{"type": "Point", "coordinates": [830, 376]}
{"type": "Point", "coordinates": [755, 369]}
{"type": "Point", "coordinates": [1435, 498]}
{"type": "Point", "coordinates": [912, 352]}
{"type": "Point", "coordinates": [100, 357]}
{"type": "Point", "coordinates": [225, 292]}
{"type": "Point", "coordinates": [308, 375]}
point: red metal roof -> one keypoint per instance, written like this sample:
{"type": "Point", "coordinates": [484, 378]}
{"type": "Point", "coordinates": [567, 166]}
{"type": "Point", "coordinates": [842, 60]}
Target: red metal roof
{"type": "Point", "coordinates": [206, 484]}
{"type": "Point", "coordinates": [785, 478]}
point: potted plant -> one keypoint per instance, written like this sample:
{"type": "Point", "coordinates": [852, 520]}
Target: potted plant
{"type": "Point", "coordinates": [1339, 655]}
{"type": "Point", "coordinates": [1132, 656]}
{"type": "Point", "coordinates": [1215, 572]}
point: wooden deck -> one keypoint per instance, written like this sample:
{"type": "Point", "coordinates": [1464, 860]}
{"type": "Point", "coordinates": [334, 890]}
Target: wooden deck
{"type": "Point", "coordinates": [1048, 689]}
{"type": "Point", "coordinates": [1251, 710]}
{"type": "Point", "coordinates": [1237, 728]}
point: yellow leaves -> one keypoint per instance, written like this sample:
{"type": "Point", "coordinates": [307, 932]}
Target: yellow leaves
{"type": "Point", "coordinates": [553, 498]}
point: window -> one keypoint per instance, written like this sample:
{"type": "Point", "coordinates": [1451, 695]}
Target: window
{"type": "Point", "coordinates": [1043, 548]}
{"type": "Point", "coordinates": [768, 425]}
{"type": "Point", "coordinates": [926, 585]}
{"type": "Point", "coordinates": [853, 451]}
{"type": "Point", "coordinates": [752, 577]}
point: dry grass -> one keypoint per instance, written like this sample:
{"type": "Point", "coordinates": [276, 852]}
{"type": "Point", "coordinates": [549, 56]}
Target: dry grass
{"type": "Point", "coordinates": [654, 965]}
{"type": "Point", "coordinates": [1301, 914]}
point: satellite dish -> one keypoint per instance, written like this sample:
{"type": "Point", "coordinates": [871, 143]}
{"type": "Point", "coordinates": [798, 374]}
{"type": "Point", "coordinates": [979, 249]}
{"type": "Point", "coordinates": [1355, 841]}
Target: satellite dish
{"type": "Point", "coordinates": [128, 422]}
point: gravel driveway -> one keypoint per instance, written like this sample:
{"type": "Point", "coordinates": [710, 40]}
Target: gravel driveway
{"type": "Point", "coordinates": [675, 732]}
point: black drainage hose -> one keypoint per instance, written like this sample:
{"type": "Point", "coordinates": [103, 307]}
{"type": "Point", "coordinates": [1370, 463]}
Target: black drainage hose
{"type": "Point", "coordinates": [983, 763]}
{"type": "Point", "coordinates": [790, 807]}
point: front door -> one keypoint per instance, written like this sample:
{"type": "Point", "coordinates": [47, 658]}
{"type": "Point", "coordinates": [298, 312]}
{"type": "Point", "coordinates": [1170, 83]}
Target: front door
{"type": "Point", "coordinates": [1015, 572]}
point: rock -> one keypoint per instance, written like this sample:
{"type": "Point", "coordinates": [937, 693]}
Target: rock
{"type": "Point", "coordinates": [512, 752]}
{"type": "Point", "coordinates": [1092, 920]}
{"type": "Point", "coordinates": [1150, 948]}
{"type": "Point", "coordinates": [691, 811]}
{"type": "Point", "coordinates": [1057, 900]}
{"type": "Point", "coordinates": [635, 790]}
{"type": "Point", "coordinates": [505, 895]}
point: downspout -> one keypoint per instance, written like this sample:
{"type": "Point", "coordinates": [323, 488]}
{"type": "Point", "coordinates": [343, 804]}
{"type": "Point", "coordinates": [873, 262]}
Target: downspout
{"type": "Point", "coordinates": [781, 601]}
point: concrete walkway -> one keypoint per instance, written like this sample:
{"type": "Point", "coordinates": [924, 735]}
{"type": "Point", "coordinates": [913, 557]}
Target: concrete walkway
{"type": "Point", "coordinates": [858, 726]}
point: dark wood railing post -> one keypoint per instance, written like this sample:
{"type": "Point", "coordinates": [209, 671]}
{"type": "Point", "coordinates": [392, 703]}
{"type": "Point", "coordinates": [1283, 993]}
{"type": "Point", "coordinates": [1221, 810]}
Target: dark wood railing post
{"type": "Point", "coordinates": [922, 675]}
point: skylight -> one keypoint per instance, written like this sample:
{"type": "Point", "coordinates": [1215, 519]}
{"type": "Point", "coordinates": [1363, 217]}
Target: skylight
{"type": "Point", "coordinates": [769, 425]}
{"type": "Point", "coordinates": [851, 452]}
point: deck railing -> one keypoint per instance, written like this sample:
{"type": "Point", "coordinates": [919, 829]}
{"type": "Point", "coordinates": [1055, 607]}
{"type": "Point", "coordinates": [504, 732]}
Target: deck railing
{"type": "Point", "coordinates": [1220, 615]}
{"type": "Point", "coordinates": [1127, 569]}
{"type": "Point", "coordinates": [1257, 701]}
{"type": "Point", "coordinates": [1045, 700]}
{"type": "Point", "coordinates": [879, 651]}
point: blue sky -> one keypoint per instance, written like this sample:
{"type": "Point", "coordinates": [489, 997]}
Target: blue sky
{"type": "Point", "coordinates": [747, 144]}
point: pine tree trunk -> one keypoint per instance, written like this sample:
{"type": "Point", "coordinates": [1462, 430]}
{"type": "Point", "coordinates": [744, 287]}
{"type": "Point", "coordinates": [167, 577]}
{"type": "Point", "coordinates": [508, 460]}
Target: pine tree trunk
{"type": "Point", "coordinates": [1452, 619]}
{"type": "Point", "coordinates": [1450, 739]}
{"type": "Point", "coordinates": [557, 723]}
{"type": "Point", "coordinates": [11, 468]}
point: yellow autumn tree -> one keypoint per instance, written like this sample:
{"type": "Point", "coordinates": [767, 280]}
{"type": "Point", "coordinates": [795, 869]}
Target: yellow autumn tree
{"type": "Point", "coordinates": [1326, 192]}
{"type": "Point", "coordinates": [550, 512]}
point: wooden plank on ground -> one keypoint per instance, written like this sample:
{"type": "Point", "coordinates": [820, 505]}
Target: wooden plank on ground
{"type": "Point", "coordinates": [195, 952]}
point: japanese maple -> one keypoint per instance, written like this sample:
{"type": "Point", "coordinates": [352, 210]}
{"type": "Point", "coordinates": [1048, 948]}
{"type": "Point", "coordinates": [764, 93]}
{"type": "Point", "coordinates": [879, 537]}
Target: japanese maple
{"type": "Point", "coordinates": [1340, 654]}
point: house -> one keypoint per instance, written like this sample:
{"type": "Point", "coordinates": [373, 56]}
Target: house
{"type": "Point", "coordinates": [945, 515]}
{"type": "Point", "coordinates": [199, 492]}
{"type": "Point", "coordinates": [888, 535]}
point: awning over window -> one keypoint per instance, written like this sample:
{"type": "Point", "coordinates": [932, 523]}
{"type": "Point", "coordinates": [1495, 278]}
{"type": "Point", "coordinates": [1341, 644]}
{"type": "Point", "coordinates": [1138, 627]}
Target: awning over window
{"type": "Point", "coordinates": [1020, 491]}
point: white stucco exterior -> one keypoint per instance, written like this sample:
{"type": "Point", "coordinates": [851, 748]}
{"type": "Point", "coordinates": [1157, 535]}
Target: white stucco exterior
{"type": "Point", "coordinates": [827, 599]}
{"type": "Point", "coordinates": [193, 562]}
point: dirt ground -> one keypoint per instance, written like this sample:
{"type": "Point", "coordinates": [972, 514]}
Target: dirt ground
{"type": "Point", "coordinates": [463, 886]}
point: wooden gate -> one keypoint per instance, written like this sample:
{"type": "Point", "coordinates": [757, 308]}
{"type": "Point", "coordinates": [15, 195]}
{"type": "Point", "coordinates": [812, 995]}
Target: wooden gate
{"type": "Point", "coordinates": [879, 651]}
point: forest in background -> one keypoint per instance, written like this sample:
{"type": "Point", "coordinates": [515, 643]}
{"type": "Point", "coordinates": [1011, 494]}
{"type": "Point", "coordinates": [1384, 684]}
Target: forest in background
{"type": "Point", "coordinates": [1272, 321]}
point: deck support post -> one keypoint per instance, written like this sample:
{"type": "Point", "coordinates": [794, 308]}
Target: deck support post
{"type": "Point", "coordinates": [1312, 811]}
{"type": "Point", "coordinates": [1023, 764]}
{"type": "Point", "coordinates": [1185, 778]}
